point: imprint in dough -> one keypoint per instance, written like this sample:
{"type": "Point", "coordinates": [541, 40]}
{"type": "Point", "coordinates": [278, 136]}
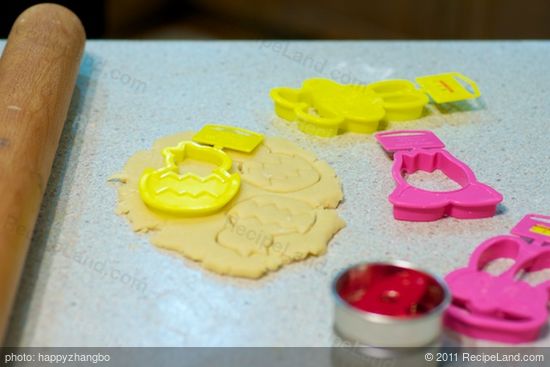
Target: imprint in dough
{"type": "Point", "coordinates": [278, 172]}
{"type": "Point", "coordinates": [258, 225]}
{"type": "Point", "coordinates": [284, 211]}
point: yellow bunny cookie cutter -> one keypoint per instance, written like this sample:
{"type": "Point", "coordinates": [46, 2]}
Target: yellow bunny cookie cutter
{"type": "Point", "coordinates": [325, 108]}
{"type": "Point", "coordinates": [188, 194]}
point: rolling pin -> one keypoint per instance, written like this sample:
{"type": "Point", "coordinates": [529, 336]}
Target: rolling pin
{"type": "Point", "coordinates": [38, 72]}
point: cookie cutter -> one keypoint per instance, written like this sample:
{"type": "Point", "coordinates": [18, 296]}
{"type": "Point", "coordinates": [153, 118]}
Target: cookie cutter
{"type": "Point", "coordinates": [389, 304]}
{"type": "Point", "coordinates": [503, 308]}
{"type": "Point", "coordinates": [326, 108]}
{"type": "Point", "coordinates": [323, 107]}
{"type": "Point", "coordinates": [188, 194]}
{"type": "Point", "coordinates": [415, 150]}
{"type": "Point", "coordinates": [400, 98]}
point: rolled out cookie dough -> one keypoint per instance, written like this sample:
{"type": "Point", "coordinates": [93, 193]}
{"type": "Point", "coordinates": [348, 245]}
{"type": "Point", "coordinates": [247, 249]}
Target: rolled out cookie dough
{"type": "Point", "coordinates": [284, 211]}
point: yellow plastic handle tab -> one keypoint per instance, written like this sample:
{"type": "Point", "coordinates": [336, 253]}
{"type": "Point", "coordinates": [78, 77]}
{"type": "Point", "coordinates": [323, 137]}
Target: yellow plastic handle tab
{"type": "Point", "coordinates": [169, 191]}
{"type": "Point", "coordinates": [448, 87]}
{"type": "Point", "coordinates": [234, 138]}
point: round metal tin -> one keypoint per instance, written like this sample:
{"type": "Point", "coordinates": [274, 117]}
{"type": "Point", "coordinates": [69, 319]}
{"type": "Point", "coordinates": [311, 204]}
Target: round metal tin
{"type": "Point", "coordinates": [389, 304]}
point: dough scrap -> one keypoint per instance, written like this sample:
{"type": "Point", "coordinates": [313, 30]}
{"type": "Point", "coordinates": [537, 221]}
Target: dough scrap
{"type": "Point", "coordinates": [284, 211]}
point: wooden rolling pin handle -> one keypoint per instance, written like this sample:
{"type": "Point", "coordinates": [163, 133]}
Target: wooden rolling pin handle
{"type": "Point", "coordinates": [38, 72]}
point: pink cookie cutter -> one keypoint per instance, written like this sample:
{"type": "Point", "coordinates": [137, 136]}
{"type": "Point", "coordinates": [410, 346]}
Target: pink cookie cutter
{"type": "Point", "coordinates": [415, 150]}
{"type": "Point", "coordinates": [503, 308]}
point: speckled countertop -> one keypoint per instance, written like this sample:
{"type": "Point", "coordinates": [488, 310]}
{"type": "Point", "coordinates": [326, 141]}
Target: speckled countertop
{"type": "Point", "coordinates": [89, 280]}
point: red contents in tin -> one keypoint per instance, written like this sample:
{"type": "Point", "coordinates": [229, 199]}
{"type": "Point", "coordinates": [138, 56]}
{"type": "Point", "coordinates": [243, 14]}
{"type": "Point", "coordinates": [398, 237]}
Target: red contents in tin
{"type": "Point", "coordinates": [390, 290]}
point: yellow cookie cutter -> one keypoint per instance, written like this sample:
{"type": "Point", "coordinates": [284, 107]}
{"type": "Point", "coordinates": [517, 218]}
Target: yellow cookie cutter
{"type": "Point", "coordinates": [325, 108]}
{"type": "Point", "coordinates": [400, 99]}
{"type": "Point", "coordinates": [189, 194]}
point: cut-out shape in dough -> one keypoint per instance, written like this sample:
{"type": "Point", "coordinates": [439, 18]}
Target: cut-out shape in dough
{"type": "Point", "coordinates": [278, 172]}
{"type": "Point", "coordinates": [256, 225]}
{"type": "Point", "coordinates": [272, 221]}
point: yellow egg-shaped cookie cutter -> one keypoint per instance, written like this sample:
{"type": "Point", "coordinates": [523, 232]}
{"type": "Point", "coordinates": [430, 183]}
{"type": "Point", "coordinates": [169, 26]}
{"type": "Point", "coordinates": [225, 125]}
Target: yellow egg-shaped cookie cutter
{"type": "Point", "coordinates": [188, 194]}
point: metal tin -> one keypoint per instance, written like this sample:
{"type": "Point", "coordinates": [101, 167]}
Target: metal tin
{"type": "Point", "coordinates": [380, 322]}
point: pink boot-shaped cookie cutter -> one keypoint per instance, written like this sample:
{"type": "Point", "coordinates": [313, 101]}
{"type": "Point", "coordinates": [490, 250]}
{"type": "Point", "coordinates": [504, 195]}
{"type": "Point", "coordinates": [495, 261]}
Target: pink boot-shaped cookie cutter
{"type": "Point", "coordinates": [415, 150]}
{"type": "Point", "coordinates": [503, 308]}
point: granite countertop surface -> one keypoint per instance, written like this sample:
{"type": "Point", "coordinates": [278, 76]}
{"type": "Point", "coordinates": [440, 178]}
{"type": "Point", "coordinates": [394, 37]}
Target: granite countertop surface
{"type": "Point", "coordinates": [90, 280]}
